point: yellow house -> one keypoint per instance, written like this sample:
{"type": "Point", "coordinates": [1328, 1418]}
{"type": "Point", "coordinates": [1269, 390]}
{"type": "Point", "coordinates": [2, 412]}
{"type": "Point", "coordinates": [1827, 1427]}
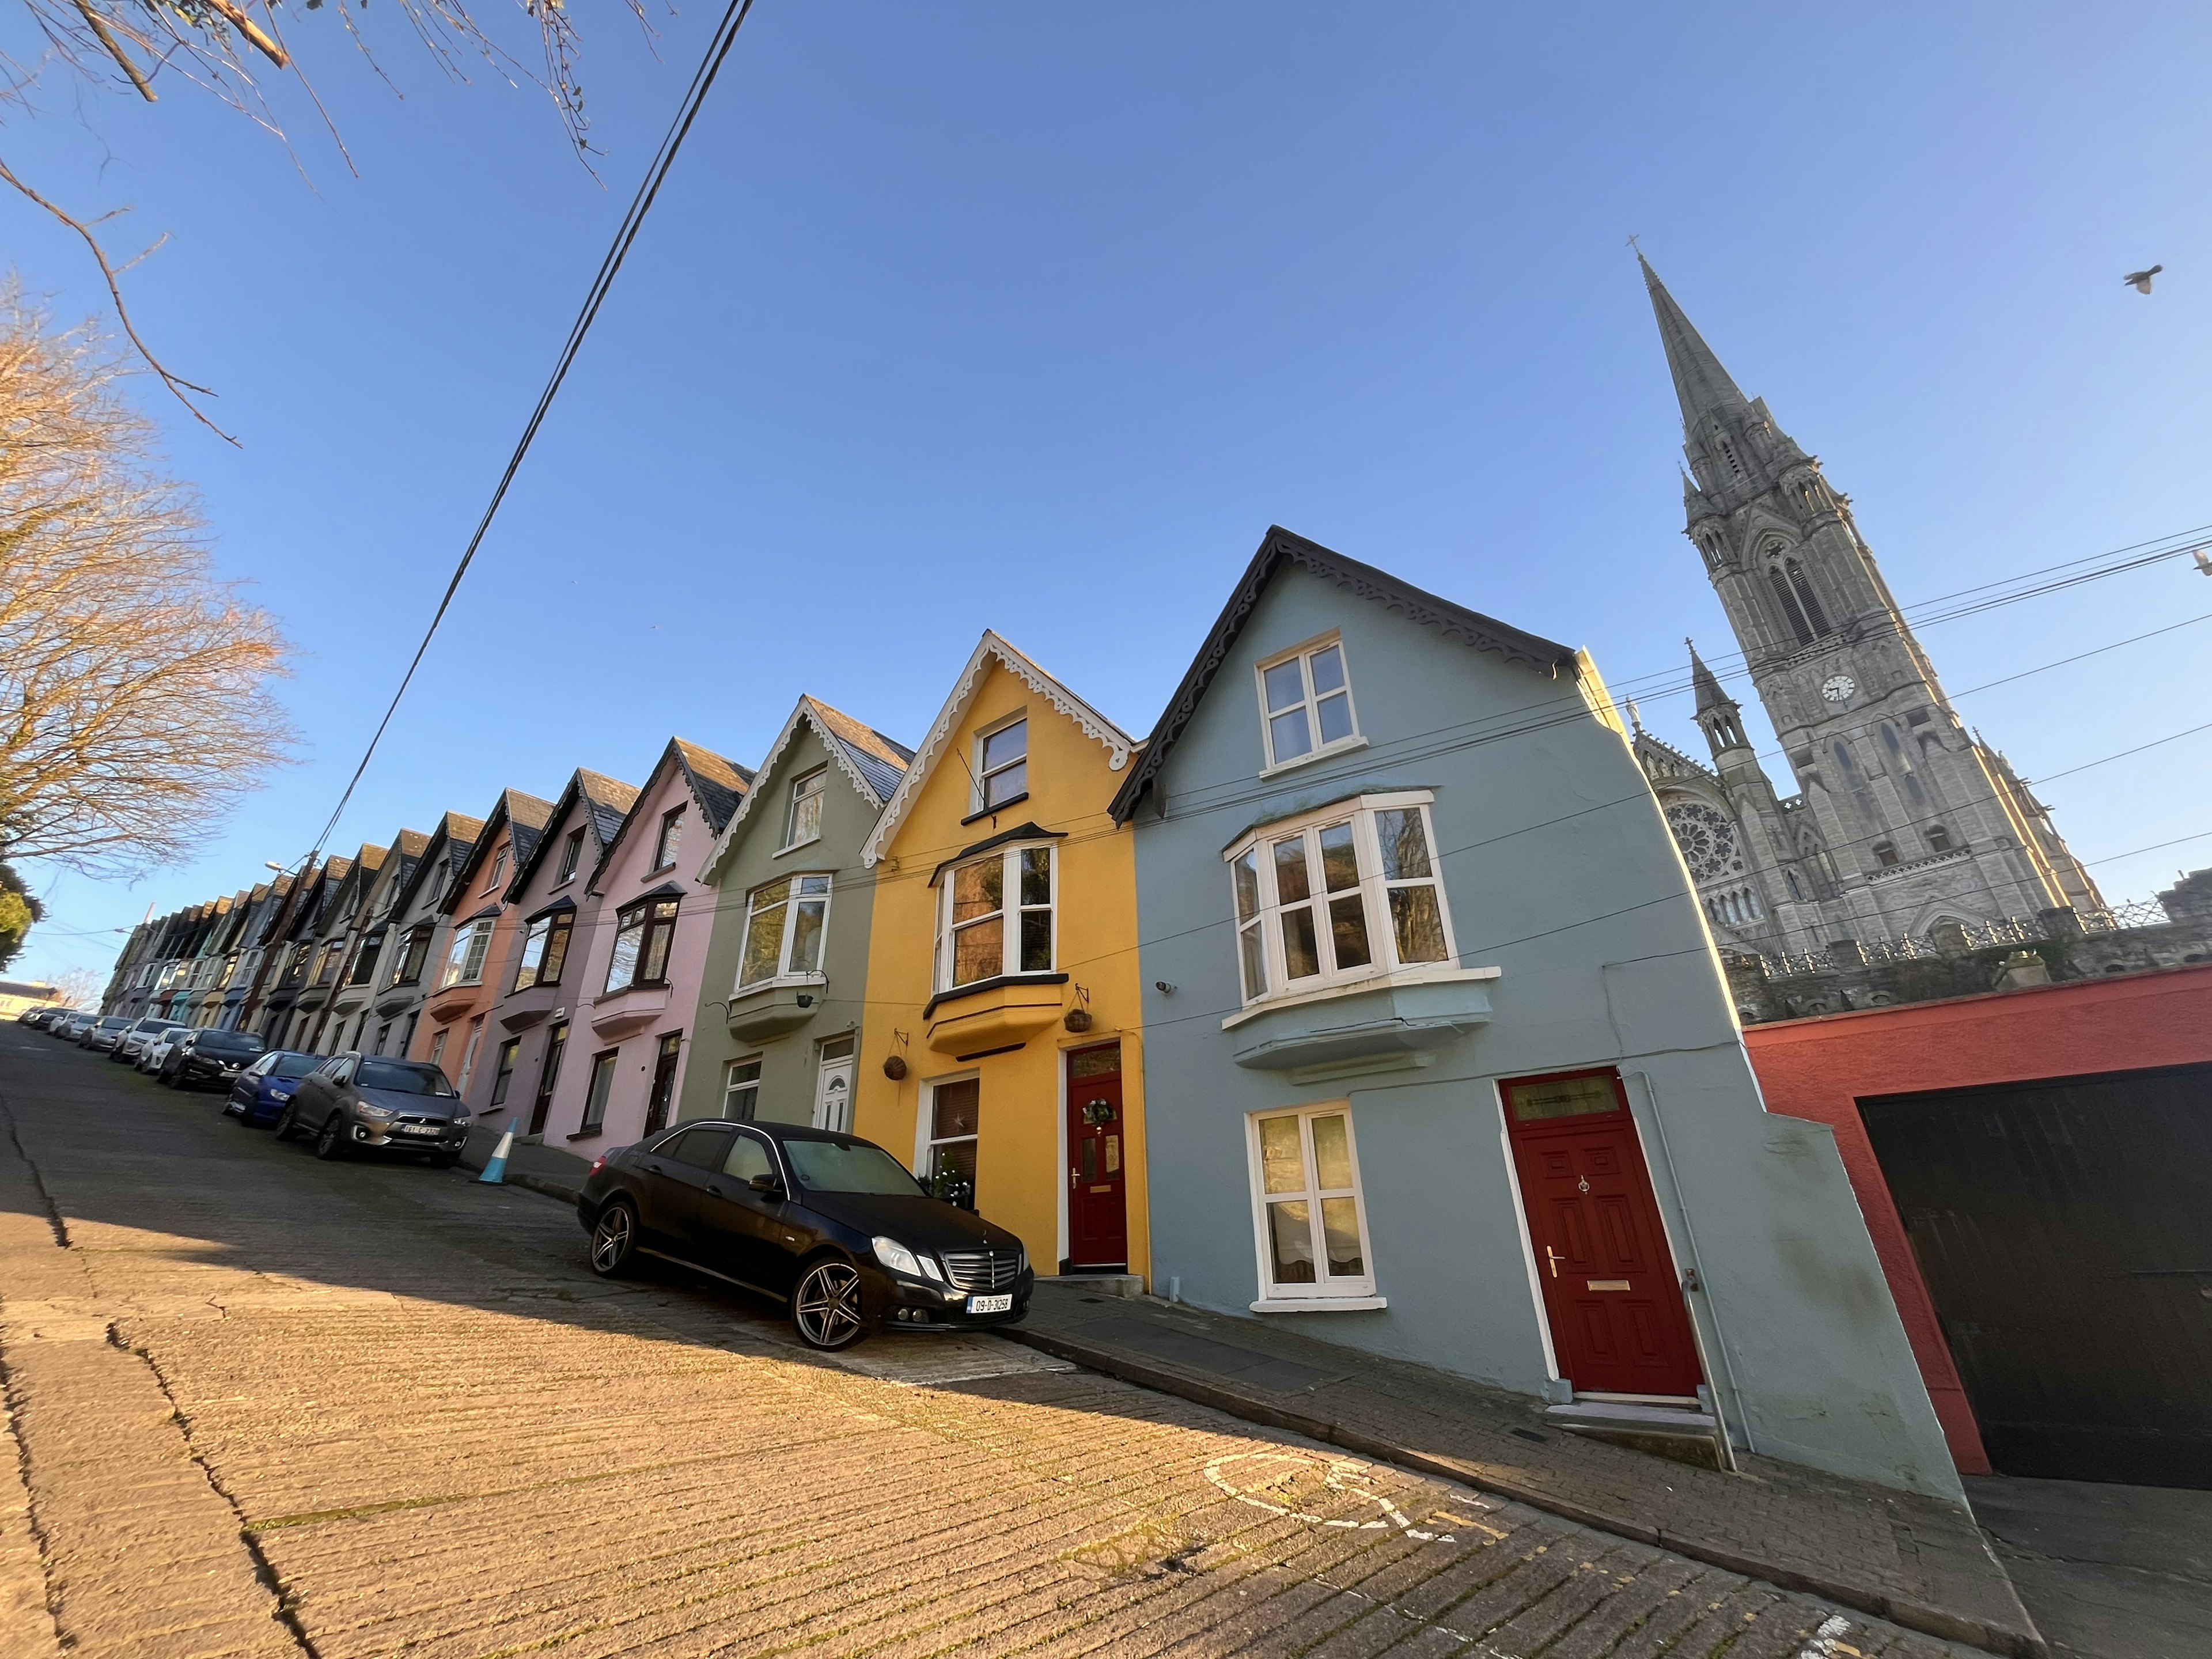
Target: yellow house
{"type": "Point", "coordinates": [1002, 1038]}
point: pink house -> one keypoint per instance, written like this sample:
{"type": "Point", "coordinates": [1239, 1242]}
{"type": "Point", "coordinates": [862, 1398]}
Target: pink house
{"type": "Point", "coordinates": [642, 958]}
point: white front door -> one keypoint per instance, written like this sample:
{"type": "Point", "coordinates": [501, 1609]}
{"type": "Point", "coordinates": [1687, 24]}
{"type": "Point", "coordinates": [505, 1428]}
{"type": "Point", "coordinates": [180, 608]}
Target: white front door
{"type": "Point", "coordinates": [833, 1091]}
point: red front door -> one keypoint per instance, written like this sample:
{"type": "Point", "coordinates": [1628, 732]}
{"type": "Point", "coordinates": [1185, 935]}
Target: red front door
{"type": "Point", "coordinates": [1097, 1219]}
{"type": "Point", "coordinates": [1619, 1325]}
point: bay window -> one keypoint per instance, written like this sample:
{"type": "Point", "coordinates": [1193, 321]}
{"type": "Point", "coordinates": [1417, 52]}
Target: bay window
{"type": "Point", "coordinates": [1306, 703]}
{"type": "Point", "coordinates": [465, 961]}
{"type": "Point", "coordinates": [1310, 1220]}
{"type": "Point", "coordinates": [995, 917]}
{"type": "Point", "coordinates": [643, 932]}
{"type": "Point", "coordinates": [784, 924]}
{"type": "Point", "coordinates": [544, 949]}
{"type": "Point", "coordinates": [413, 950]}
{"type": "Point", "coordinates": [1341, 895]}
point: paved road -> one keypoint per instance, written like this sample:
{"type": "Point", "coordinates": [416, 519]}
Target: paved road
{"type": "Point", "coordinates": [264, 1405]}
{"type": "Point", "coordinates": [2107, 1572]}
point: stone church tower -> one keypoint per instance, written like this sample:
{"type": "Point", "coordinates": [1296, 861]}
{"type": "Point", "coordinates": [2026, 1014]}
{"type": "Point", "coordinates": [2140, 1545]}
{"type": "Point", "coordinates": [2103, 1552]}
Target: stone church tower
{"type": "Point", "coordinates": [1902, 820]}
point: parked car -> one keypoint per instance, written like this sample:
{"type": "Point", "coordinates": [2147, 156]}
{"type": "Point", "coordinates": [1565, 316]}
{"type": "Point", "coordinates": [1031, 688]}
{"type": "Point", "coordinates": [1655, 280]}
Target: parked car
{"type": "Point", "coordinates": [40, 1018]}
{"type": "Point", "coordinates": [260, 1093]}
{"type": "Point", "coordinates": [105, 1032]}
{"type": "Point", "coordinates": [158, 1047]}
{"type": "Point", "coordinates": [72, 1025]}
{"type": "Point", "coordinates": [132, 1043]}
{"type": "Point", "coordinates": [368, 1103]}
{"type": "Point", "coordinates": [195, 1058]}
{"type": "Point", "coordinates": [831, 1225]}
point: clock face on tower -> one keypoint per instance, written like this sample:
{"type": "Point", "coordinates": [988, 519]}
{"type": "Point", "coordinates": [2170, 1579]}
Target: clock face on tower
{"type": "Point", "coordinates": [1838, 688]}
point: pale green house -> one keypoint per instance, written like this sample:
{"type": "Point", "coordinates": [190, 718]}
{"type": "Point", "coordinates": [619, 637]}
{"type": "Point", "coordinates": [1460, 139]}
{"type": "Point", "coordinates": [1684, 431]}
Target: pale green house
{"type": "Point", "coordinates": [785, 980]}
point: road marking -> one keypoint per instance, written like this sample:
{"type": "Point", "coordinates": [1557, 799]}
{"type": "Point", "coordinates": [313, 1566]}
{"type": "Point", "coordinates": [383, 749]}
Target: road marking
{"type": "Point", "coordinates": [1342, 1476]}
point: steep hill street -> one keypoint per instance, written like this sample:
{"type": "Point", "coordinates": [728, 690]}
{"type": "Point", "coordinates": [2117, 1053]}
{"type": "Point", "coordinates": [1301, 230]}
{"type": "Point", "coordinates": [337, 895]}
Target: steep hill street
{"type": "Point", "coordinates": [262, 1405]}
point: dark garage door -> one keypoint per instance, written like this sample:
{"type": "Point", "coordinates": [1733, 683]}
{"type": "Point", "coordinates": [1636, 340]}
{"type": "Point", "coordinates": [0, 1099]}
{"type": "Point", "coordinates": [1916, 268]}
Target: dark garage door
{"type": "Point", "coordinates": [2064, 1227]}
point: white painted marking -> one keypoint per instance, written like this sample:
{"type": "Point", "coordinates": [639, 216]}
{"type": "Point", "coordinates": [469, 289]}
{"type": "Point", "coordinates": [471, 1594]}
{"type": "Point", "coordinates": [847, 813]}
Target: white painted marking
{"type": "Point", "coordinates": [1825, 1639]}
{"type": "Point", "coordinates": [1343, 1476]}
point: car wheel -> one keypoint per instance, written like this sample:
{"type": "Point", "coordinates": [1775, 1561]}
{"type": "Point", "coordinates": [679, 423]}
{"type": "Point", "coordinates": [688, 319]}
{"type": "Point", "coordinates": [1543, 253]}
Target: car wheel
{"type": "Point", "coordinates": [288, 1123]}
{"type": "Point", "coordinates": [825, 1309]}
{"type": "Point", "coordinates": [614, 1241]}
{"type": "Point", "coordinates": [329, 1144]}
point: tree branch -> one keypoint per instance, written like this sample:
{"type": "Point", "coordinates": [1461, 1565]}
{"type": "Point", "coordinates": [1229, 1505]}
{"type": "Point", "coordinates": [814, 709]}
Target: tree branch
{"type": "Point", "coordinates": [236, 16]}
{"type": "Point", "coordinates": [177, 384]}
{"type": "Point", "coordinates": [98, 26]}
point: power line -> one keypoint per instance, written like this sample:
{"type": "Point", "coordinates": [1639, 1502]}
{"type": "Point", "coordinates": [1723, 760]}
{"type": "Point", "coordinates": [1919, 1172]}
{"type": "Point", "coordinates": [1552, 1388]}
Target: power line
{"type": "Point", "coordinates": [702, 80]}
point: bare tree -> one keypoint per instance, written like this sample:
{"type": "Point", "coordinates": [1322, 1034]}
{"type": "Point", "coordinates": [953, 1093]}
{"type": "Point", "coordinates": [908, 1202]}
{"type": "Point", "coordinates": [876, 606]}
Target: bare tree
{"type": "Point", "coordinates": [225, 48]}
{"type": "Point", "coordinates": [134, 685]}
{"type": "Point", "coordinates": [80, 988]}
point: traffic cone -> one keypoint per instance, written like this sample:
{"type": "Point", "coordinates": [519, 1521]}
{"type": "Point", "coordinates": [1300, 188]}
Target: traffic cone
{"type": "Point", "coordinates": [495, 1172]}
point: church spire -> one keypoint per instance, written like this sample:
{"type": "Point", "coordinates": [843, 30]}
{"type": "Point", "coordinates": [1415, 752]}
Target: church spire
{"type": "Point", "coordinates": [1701, 385]}
{"type": "Point", "coordinates": [1718, 716]}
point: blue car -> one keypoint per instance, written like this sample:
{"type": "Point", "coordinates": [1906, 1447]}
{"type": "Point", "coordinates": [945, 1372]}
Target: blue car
{"type": "Point", "coordinates": [264, 1089]}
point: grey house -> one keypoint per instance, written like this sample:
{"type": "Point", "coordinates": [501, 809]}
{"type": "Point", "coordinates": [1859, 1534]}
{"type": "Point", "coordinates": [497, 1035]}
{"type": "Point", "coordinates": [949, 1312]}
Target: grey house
{"type": "Point", "coordinates": [1439, 1057]}
{"type": "Point", "coordinates": [785, 983]}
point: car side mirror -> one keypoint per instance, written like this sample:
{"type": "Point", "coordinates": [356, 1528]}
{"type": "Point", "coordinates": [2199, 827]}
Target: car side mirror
{"type": "Point", "coordinates": [767, 1185]}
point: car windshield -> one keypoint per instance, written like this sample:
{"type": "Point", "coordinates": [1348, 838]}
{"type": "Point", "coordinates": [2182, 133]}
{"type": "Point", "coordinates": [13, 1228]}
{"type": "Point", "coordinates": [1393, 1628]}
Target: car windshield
{"type": "Point", "coordinates": [395, 1077]}
{"type": "Point", "coordinates": [832, 1166]}
{"type": "Point", "coordinates": [226, 1043]}
{"type": "Point", "coordinates": [111, 1023]}
{"type": "Point", "coordinates": [296, 1064]}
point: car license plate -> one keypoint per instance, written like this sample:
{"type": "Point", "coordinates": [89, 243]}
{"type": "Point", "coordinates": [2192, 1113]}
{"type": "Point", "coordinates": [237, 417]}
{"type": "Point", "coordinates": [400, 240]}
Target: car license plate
{"type": "Point", "coordinates": [990, 1304]}
{"type": "Point", "coordinates": [416, 1130]}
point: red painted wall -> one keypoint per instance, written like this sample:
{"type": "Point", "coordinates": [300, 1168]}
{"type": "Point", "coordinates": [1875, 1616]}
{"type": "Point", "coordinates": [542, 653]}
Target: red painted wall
{"type": "Point", "coordinates": [1820, 1068]}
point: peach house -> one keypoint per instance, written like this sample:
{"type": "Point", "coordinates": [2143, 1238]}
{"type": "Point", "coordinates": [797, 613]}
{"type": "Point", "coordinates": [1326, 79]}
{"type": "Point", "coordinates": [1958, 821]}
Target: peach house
{"type": "Point", "coordinates": [479, 918]}
{"type": "Point", "coordinates": [637, 990]}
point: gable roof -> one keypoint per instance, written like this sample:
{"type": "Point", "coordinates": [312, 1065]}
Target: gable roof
{"type": "Point", "coordinates": [871, 761]}
{"type": "Point", "coordinates": [718, 785]}
{"type": "Point", "coordinates": [525, 816]}
{"type": "Point", "coordinates": [992, 647]}
{"type": "Point", "coordinates": [604, 802]}
{"type": "Point", "coordinates": [455, 830]}
{"type": "Point", "coordinates": [1280, 547]}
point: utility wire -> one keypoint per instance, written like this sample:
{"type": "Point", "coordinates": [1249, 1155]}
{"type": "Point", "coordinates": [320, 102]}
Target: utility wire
{"type": "Point", "coordinates": [702, 80]}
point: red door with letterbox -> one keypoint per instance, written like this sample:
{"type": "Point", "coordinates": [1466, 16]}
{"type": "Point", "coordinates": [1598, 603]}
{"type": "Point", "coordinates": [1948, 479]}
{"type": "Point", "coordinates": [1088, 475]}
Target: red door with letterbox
{"type": "Point", "coordinates": [1098, 1216]}
{"type": "Point", "coordinates": [1611, 1293]}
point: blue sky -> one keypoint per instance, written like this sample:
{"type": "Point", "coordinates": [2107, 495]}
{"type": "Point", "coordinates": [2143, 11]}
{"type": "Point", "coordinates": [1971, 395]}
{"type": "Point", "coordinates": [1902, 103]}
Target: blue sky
{"type": "Point", "coordinates": [960, 315]}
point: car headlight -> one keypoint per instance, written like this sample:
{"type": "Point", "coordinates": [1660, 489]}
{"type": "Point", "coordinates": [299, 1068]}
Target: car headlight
{"type": "Point", "coordinates": [362, 1108]}
{"type": "Point", "coordinates": [279, 1096]}
{"type": "Point", "coordinates": [461, 1120]}
{"type": "Point", "coordinates": [900, 1259]}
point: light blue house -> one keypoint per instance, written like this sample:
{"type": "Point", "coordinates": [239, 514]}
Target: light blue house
{"type": "Point", "coordinates": [1441, 1060]}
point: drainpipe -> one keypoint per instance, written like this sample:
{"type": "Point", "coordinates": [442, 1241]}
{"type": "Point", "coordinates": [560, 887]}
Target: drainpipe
{"type": "Point", "coordinates": [1697, 1275]}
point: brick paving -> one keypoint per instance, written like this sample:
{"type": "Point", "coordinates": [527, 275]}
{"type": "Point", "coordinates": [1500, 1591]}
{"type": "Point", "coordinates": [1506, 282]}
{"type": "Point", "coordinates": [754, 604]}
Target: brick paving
{"type": "Point", "coordinates": [258, 1405]}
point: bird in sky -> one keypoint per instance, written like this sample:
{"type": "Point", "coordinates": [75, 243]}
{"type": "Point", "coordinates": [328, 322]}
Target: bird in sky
{"type": "Point", "coordinates": [2139, 280]}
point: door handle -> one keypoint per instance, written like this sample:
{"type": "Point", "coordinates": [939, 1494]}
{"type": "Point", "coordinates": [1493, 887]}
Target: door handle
{"type": "Point", "coordinates": [1554, 1258]}
{"type": "Point", "coordinates": [713, 1191]}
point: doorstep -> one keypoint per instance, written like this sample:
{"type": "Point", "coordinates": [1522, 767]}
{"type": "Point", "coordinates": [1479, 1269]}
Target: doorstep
{"type": "Point", "coordinates": [1680, 1434]}
{"type": "Point", "coordinates": [1124, 1285]}
{"type": "Point", "coordinates": [1917, 1561]}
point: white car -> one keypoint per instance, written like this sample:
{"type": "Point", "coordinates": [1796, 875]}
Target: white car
{"type": "Point", "coordinates": [131, 1046]}
{"type": "Point", "coordinates": [159, 1045]}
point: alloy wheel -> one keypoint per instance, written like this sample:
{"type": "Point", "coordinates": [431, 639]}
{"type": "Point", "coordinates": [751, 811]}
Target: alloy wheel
{"type": "Point", "coordinates": [613, 1240]}
{"type": "Point", "coordinates": [327, 1144]}
{"type": "Point", "coordinates": [288, 1123]}
{"type": "Point", "coordinates": [827, 1309]}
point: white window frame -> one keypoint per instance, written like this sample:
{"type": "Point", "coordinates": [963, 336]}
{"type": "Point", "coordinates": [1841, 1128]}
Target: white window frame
{"type": "Point", "coordinates": [733, 1086]}
{"type": "Point", "coordinates": [982, 796]}
{"type": "Point", "coordinates": [465, 957]}
{"type": "Point", "coordinates": [793, 896]}
{"type": "Point", "coordinates": [1010, 912]}
{"type": "Point", "coordinates": [1327, 1290]}
{"type": "Point", "coordinates": [925, 1140]}
{"type": "Point", "coordinates": [1374, 889]}
{"type": "Point", "coordinates": [498, 868]}
{"type": "Point", "coordinates": [812, 786]}
{"type": "Point", "coordinates": [1311, 702]}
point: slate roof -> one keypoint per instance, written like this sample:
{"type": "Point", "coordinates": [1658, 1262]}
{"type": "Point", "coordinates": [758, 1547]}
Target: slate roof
{"type": "Point", "coordinates": [1279, 547]}
{"type": "Point", "coordinates": [719, 784]}
{"type": "Point", "coordinates": [609, 799]}
{"type": "Point", "coordinates": [881, 760]}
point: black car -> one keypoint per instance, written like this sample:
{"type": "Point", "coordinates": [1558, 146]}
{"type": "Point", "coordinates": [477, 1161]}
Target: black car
{"type": "Point", "coordinates": [208, 1057]}
{"type": "Point", "coordinates": [829, 1224]}
{"type": "Point", "coordinates": [357, 1102]}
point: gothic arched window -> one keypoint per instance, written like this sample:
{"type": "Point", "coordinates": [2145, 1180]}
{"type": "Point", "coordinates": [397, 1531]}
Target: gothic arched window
{"type": "Point", "coordinates": [1728, 454]}
{"type": "Point", "coordinates": [1791, 611]}
{"type": "Point", "coordinates": [1808, 598]}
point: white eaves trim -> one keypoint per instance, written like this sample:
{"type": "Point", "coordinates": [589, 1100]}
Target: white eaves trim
{"type": "Point", "coordinates": [803, 711]}
{"type": "Point", "coordinates": [1092, 724]}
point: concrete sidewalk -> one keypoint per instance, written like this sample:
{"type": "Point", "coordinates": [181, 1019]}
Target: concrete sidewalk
{"type": "Point", "coordinates": [1917, 1561]}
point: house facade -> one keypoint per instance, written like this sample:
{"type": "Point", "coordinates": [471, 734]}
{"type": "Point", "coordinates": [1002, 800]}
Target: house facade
{"type": "Point", "coordinates": [475, 918]}
{"type": "Point", "coordinates": [345, 912]}
{"type": "Point", "coordinates": [540, 977]}
{"type": "Point", "coordinates": [295, 951]}
{"type": "Point", "coordinates": [1440, 1058]}
{"type": "Point", "coordinates": [783, 994]}
{"type": "Point", "coordinates": [1003, 1054]}
{"type": "Point", "coordinates": [350, 1021]}
{"type": "Point", "coordinates": [643, 957]}
{"type": "Point", "coordinates": [415, 931]}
